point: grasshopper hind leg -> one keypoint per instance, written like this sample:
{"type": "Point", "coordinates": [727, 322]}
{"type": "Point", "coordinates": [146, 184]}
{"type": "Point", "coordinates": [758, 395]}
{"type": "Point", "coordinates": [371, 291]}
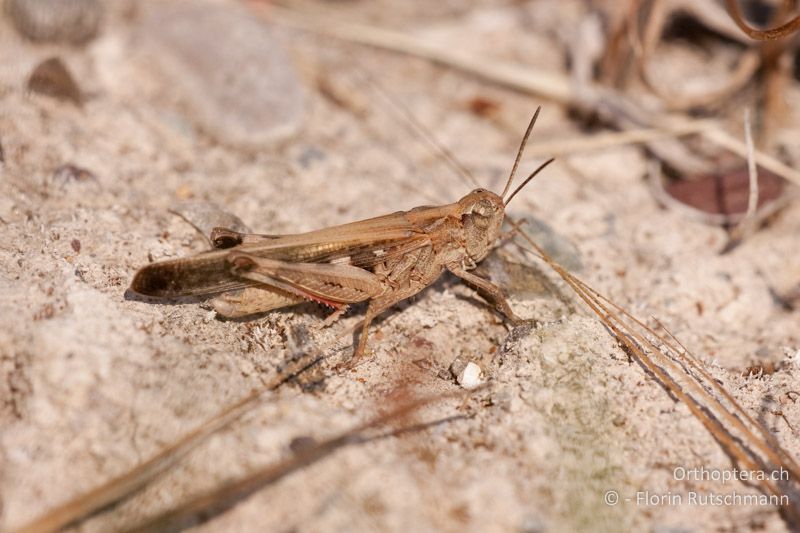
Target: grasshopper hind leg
{"type": "Point", "coordinates": [376, 307]}
{"type": "Point", "coordinates": [253, 300]}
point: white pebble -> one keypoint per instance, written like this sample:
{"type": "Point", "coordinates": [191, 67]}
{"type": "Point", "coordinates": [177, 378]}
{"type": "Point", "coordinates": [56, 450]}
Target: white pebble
{"type": "Point", "coordinates": [471, 377]}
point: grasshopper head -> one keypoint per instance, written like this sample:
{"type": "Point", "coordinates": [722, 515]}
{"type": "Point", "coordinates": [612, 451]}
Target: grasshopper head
{"type": "Point", "coordinates": [482, 215]}
{"type": "Point", "coordinates": [482, 211]}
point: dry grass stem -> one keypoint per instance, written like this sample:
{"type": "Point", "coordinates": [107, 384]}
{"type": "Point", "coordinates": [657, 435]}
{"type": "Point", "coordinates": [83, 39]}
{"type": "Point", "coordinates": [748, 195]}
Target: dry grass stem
{"type": "Point", "coordinates": [726, 140]}
{"type": "Point", "coordinates": [205, 506]}
{"type": "Point", "coordinates": [135, 479]}
{"type": "Point", "coordinates": [748, 222]}
{"type": "Point", "coordinates": [611, 139]}
{"type": "Point", "coordinates": [746, 441]}
{"type": "Point", "coordinates": [761, 35]}
{"type": "Point", "coordinates": [551, 85]}
{"type": "Point", "coordinates": [712, 15]}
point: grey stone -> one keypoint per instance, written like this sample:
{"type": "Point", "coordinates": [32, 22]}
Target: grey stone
{"type": "Point", "coordinates": [236, 82]}
{"type": "Point", "coordinates": [70, 21]}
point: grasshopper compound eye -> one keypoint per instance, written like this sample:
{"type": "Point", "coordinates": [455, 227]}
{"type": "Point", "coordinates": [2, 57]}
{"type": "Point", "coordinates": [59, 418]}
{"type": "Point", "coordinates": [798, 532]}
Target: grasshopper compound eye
{"type": "Point", "coordinates": [484, 208]}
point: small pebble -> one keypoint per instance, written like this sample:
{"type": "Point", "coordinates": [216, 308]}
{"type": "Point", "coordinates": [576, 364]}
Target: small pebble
{"type": "Point", "coordinates": [223, 64]}
{"type": "Point", "coordinates": [69, 173]}
{"type": "Point", "coordinates": [66, 21]}
{"type": "Point", "coordinates": [301, 443]}
{"type": "Point", "coordinates": [52, 78]}
{"type": "Point", "coordinates": [471, 377]}
{"type": "Point", "coordinates": [532, 524]}
{"type": "Point", "coordinates": [205, 216]}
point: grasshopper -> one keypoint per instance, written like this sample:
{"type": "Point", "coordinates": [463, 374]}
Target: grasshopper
{"type": "Point", "coordinates": [384, 260]}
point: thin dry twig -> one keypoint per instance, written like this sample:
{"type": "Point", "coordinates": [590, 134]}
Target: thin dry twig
{"type": "Point", "coordinates": [690, 383]}
{"type": "Point", "coordinates": [747, 66]}
{"type": "Point", "coordinates": [777, 58]}
{"type": "Point", "coordinates": [727, 141]}
{"type": "Point", "coordinates": [608, 139]}
{"type": "Point", "coordinates": [204, 506]}
{"type": "Point", "coordinates": [135, 479]}
{"type": "Point", "coordinates": [550, 85]}
{"type": "Point", "coordinates": [747, 224]}
{"type": "Point", "coordinates": [621, 41]}
{"type": "Point", "coordinates": [712, 15]}
{"type": "Point", "coordinates": [761, 35]}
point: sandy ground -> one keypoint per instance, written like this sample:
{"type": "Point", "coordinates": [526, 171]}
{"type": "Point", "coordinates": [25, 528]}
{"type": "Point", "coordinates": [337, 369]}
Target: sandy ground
{"type": "Point", "coordinates": [93, 382]}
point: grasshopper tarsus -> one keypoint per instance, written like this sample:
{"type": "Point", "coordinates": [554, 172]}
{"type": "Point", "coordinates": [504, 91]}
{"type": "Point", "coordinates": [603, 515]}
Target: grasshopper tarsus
{"type": "Point", "coordinates": [490, 291]}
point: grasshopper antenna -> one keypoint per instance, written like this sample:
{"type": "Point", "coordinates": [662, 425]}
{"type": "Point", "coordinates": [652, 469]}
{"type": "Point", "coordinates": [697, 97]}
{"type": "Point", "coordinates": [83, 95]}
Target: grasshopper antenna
{"type": "Point", "coordinates": [519, 156]}
{"type": "Point", "coordinates": [533, 174]}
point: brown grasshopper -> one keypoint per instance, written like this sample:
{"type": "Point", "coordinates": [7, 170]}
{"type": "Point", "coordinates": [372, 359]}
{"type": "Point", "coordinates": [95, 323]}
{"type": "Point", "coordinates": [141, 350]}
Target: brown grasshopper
{"type": "Point", "coordinates": [384, 260]}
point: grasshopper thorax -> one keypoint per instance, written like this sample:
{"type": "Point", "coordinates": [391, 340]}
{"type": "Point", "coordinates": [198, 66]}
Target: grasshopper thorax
{"type": "Point", "coordinates": [482, 215]}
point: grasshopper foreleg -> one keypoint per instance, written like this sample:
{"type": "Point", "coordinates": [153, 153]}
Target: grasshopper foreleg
{"type": "Point", "coordinates": [489, 290]}
{"type": "Point", "coordinates": [376, 307]}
